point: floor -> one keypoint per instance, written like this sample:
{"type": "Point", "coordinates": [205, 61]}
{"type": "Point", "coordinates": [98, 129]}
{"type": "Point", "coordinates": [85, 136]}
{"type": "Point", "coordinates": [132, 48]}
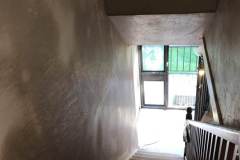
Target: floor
{"type": "Point", "coordinates": [161, 131]}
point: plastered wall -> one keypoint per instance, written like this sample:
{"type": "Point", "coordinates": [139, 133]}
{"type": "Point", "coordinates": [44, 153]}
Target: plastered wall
{"type": "Point", "coordinates": [66, 83]}
{"type": "Point", "coordinates": [223, 44]}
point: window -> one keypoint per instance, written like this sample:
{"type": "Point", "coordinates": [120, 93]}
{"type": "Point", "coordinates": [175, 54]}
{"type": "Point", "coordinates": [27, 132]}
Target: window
{"type": "Point", "coordinates": [153, 58]}
{"type": "Point", "coordinates": [182, 76]}
{"type": "Point", "coordinates": [154, 92]}
{"type": "Point", "coordinates": [154, 76]}
{"type": "Point", "coordinates": [183, 59]}
{"type": "Point", "coordinates": [168, 76]}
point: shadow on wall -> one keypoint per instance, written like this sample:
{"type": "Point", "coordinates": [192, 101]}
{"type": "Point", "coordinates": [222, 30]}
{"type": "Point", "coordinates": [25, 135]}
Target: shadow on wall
{"type": "Point", "coordinates": [40, 81]}
{"type": "Point", "coordinates": [24, 143]}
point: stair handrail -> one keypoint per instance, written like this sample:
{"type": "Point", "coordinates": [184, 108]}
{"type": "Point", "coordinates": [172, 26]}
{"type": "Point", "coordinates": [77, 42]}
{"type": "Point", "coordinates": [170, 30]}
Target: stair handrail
{"type": "Point", "coordinates": [229, 134]}
{"type": "Point", "coordinates": [208, 141]}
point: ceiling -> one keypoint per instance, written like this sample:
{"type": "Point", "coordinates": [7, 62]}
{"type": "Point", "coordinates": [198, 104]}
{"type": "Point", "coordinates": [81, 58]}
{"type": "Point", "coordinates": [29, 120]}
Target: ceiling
{"type": "Point", "coordinates": [149, 7]}
{"type": "Point", "coordinates": [168, 29]}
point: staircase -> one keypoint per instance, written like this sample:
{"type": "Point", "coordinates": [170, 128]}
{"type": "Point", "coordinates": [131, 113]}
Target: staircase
{"type": "Point", "coordinates": [145, 155]}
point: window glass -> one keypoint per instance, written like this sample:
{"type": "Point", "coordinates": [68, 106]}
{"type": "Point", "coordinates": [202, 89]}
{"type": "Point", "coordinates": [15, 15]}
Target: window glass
{"type": "Point", "coordinates": [182, 90]}
{"type": "Point", "coordinates": [182, 59]}
{"type": "Point", "coordinates": [182, 76]}
{"type": "Point", "coordinates": [153, 58]}
{"type": "Point", "coordinates": [154, 92]}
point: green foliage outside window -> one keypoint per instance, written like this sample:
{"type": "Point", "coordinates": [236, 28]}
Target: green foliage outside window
{"type": "Point", "coordinates": [182, 59]}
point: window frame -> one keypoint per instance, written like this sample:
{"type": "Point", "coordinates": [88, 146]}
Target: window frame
{"type": "Point", "coordinates": [154, 76]}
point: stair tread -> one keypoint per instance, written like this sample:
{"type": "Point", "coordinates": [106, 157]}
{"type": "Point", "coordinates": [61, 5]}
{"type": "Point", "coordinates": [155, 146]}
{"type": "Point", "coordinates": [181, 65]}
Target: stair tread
{"type": "Point", "coordinates": [145, 155]}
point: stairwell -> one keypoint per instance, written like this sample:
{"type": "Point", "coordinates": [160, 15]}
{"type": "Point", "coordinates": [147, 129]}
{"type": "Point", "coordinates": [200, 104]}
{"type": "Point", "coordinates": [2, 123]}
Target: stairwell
{"type": "Point", "coordinates": [145, 155]}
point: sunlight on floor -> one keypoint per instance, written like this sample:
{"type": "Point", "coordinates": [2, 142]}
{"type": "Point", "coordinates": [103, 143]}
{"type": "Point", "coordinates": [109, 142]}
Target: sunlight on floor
{"type": "Point", "coordinates": [161, 130]}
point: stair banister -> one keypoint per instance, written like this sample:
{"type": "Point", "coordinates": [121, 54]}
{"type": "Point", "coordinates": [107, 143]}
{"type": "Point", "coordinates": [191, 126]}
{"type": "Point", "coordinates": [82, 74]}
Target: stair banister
{"type": "Point", "coordinates": [210, 142]}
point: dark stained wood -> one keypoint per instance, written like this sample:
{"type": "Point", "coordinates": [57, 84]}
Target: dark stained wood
{"type": "Point", "coordinates": [202, 94]}
{"type": "Point", "coordinates": [212, 142]}
{"type": "Point", "coordinates": [208, 145]}
{"type": "Point", "coordinates": [235, 153]}
{"type": "Point", "coordinates": [223, 149]}
{"type": "Point", "coordinates": [198, 142]}
{"type": "Point", "coordinates": [212, 146]}
{"type": "Point", "coordinates": [217, 148]}
{"type": "Point", "coordinates": [204, 144]}
{"type": "Point", "coordinates": [201, 143]}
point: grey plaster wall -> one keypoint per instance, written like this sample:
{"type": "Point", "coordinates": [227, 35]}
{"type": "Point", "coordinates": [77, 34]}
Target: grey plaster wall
{"type": "Point", "coordinates": [66, 83]}
{"type": "Point", "coordinates": [223, 43]}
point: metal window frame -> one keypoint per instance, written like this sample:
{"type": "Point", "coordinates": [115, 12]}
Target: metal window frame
{"type": "Point", "coordinates": [154, 76]}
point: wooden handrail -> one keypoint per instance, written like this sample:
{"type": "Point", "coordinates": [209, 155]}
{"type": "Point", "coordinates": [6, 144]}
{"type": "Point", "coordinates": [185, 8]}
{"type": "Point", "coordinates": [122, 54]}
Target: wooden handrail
{"type": "Point", "coordinates": [228, 134]}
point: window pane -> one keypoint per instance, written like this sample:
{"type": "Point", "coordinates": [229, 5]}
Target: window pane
{"type": "Point", "coordinates": [182, 59]}
{"type": "Point", "coordinates": [153, 57]}
{"type": "Point", "coordinates": [182, 90]}
{"type": "Point", "coordinates": [187, 60]}
{"type": "Point", "coordinates": [154, 92]}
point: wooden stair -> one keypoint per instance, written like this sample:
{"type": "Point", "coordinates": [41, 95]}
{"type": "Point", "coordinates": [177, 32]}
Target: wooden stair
{"type": "Point", "coordinates": [145, 155]}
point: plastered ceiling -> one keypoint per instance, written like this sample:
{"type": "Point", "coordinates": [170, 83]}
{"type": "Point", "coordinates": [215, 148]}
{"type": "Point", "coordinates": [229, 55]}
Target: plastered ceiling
{"type": "Point", "coordinates": [178, 29]}
{"type": "Point", "coordinates": [180, 22]}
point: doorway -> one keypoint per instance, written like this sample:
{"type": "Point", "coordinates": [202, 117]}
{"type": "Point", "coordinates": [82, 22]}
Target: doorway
{"type": "Point", "coordinates": [168, 77]}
